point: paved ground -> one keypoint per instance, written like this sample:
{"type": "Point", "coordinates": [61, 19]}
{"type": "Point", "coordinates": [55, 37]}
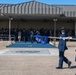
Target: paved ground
{"type": "Point", "coordinates": [36, 65]}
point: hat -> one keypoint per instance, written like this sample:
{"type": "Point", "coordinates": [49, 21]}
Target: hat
{"type": "Point", "coordinates": [62, 29]}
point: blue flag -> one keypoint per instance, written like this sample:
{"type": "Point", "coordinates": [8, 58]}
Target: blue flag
{"type": "Point", "coordinates": [41, 39]}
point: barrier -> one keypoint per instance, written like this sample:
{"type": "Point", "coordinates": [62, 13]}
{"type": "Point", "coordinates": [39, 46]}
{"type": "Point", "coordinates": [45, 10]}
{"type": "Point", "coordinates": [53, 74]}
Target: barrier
{"type": "Point", "coordinates": [62, 38]}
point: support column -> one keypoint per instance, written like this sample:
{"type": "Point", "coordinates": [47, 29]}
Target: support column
{"type": "Point", "coordinates": [75, 28]}
{"type": "Point", "coordinates": [55, 20]}
{"type": "Point", "coordinates": [10, 29]}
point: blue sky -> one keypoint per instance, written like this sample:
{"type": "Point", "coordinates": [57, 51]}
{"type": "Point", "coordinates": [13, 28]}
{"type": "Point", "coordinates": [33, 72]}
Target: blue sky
{"type": "Point", "coordinates": [69, 2]}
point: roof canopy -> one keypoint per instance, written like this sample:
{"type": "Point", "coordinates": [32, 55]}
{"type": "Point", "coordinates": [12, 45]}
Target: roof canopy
{"type": "Point", "coordinates": [31, 7]}
{"type": "Point", "coordinates": [37, 8]}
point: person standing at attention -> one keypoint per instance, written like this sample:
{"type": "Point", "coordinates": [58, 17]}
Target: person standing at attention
{"type": "Point", "coordinates": [19, 36]}
{"type": "Point", "coordinates": [62, 47]}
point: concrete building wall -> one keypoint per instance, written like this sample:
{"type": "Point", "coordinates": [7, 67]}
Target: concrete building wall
{"type": "Point", "coordinates": [4, 24]}
{"type": "Point", "coordinates": [38, 24]}
{"type": "Point", "coordinates": [66, 24]}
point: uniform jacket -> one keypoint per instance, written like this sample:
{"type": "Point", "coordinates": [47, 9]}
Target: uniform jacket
{"type": "Point", "coordinates": [62, 43]}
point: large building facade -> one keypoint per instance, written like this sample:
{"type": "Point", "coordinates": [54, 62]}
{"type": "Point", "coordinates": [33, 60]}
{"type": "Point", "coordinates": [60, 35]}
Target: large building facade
{"type": "Point", "coordinates": [37, 15]}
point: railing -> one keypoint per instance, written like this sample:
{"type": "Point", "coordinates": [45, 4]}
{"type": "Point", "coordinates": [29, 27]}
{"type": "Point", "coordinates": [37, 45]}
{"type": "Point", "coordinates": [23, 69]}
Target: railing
{"type": "Point", "coordinates": [6, 38]}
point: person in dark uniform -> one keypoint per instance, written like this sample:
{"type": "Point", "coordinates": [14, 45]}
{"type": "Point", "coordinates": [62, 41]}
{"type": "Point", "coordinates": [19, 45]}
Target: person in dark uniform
{"type": "Point", "coordinates": [15, 35]}
{"type": "Point", "coordinates": [31, 36]}
{"type": "Point", "coordinates": [24, 35]}
{"type": "Point", "coordinates": [62, 47]}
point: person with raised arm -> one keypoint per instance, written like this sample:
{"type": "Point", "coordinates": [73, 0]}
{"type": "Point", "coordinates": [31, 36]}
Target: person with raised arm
{"type": "Point", "coordinates": [62, 47]}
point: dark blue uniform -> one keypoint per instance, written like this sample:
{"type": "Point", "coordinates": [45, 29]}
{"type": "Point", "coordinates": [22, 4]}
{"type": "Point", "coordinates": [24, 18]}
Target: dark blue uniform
{"type": "Point", "coordinates": [31, 36]}
{"type": "Point", "coordinates": [62, 47]}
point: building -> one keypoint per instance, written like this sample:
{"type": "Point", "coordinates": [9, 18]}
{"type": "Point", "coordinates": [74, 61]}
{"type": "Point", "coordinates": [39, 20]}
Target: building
{"type": "Point", "coordinates": [37, 15]}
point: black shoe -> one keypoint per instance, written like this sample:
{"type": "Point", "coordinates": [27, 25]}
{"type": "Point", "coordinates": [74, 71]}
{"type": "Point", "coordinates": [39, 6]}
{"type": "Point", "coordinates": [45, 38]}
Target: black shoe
{"type": "Point", "coordinates": [69, 65]}
{"type": "Point", "coordinates": [59, 68]}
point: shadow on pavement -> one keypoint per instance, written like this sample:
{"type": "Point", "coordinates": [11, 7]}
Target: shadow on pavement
{"type": "Point", "coordinates": [73, 67]}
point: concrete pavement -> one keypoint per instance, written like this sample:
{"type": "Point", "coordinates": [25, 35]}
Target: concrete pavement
{"type": "Point", "coordinates": [35, 64]}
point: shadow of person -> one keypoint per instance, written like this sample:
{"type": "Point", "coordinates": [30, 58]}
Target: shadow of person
{"type": "Point", "coordinates": [73, 67]}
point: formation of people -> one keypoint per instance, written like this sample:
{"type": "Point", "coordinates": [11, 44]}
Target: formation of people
{"type": "Point", "coordinates": [29, 35]}
{"type": "Point", "coordinates": [23, 34]}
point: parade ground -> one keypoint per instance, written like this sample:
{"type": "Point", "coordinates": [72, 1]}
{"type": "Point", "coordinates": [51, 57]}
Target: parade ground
{"type": "Point", "coordinates": [33, 63]}
{"type": "Point", "coordinates": [29, 37]}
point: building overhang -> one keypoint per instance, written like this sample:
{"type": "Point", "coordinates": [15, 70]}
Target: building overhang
{"type": "Point", "coordinates": [35, 17]}
{"type": "Point", "coordinates": [5, 16]}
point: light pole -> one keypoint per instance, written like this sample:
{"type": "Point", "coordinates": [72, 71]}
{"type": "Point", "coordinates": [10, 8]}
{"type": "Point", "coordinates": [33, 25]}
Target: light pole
{"type": "Point", "coordinates": [55, 20]}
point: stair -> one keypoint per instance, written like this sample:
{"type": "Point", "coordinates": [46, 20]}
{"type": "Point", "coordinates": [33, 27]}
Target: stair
{"type": "Point", "coordinates": [30, 45]}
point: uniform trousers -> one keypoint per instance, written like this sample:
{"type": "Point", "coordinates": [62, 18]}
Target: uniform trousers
{"type": "Point", "coordinates": [62, 58]}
